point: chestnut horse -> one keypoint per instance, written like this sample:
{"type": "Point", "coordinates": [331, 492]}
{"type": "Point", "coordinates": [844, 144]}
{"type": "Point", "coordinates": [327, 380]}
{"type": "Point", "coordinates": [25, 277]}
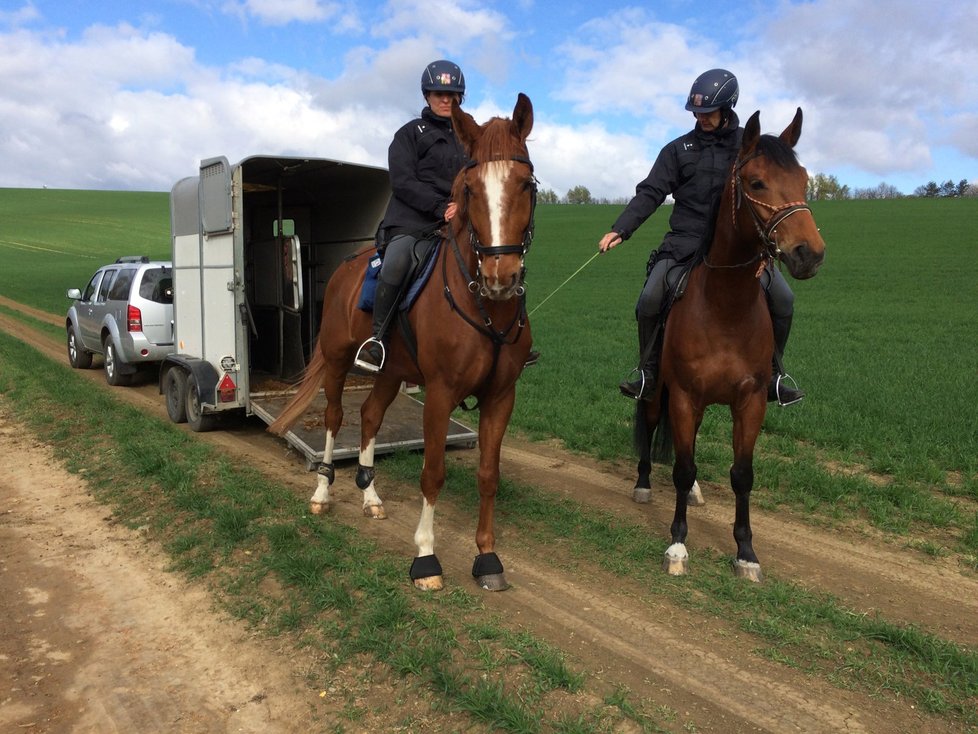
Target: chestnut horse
{"type": "Point", "coordinates": [472, 338]}
{"type": "Point", "coordinates": [718, 342]}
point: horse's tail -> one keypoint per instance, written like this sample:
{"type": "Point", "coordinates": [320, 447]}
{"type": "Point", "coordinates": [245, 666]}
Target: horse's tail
{"type": "Point", "coordinates": [654, 442]}
{"type": "Point", "coordinates": [306, 393]}
{"type": "Point", "coordinates": [662, 447]}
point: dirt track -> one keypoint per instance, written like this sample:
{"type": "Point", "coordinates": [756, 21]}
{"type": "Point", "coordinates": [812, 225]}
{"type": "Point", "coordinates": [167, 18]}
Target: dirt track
{"type": "Point", "coordinates": [701, 667]}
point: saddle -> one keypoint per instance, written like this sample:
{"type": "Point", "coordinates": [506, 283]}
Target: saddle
{"type": "Point", "coordinates": [423, 256]}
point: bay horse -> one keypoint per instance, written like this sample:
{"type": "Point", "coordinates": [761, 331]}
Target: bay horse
{"type": "Point", "coordinates": [718, 342]}
{"type": "Point", "coordinates": [471, 331]}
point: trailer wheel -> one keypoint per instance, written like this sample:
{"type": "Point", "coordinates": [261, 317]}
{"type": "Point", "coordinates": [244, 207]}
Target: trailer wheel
{"type": "Point", "coordinates": [77, 357]}
{"type": "Point", "coordinates": [198, 420]}
{"type": "Point", "coordinates": [175, 390]}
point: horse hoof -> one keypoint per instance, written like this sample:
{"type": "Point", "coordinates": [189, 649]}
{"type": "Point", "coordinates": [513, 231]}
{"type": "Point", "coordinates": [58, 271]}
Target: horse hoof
{"type": "Point", "coordinates": [429, 583]}
{"type": "Point", "coordinates": [748, 570]}
{"type": "Point", "coordinates": [375, 512]}
{"type": "Point", "coordinates": [642, 495]}
{"type": "Point", "coordinates": [695, 498]}
{"type": "Point", "coordinates": [493, 582]}
{"type": "Point", "coordinates": [319, 508]}
{"type": "Point", "coordinates": [676, 560]}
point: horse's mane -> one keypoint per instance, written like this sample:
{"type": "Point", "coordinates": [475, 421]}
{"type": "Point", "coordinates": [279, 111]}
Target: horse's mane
{"type": "Point", "coordinates": [769, 146]}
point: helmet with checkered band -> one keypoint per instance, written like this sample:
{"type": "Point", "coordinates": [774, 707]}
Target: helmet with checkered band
{"type": "Point", "coordinates": [713, 90]}
{"type": "Point", "coordinates": [442, 76]}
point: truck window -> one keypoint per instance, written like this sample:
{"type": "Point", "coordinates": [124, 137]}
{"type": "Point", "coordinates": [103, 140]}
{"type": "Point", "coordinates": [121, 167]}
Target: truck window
{"type": "Point", "coordinates": [120, 286]}
{"type": "Point", "coordinates": [90, 289]}
{"type": "Point", "coordinates": [157, 285]}
{"type": "Point", "coordinates": [105, 285]}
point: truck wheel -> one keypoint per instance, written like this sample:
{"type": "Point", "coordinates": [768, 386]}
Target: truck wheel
{"type": "Point", "coordinates": [77, 357]}
{"type": "Point", "coordinates": [198, 420]}
{"type": "Point", "coordinates": [113, 376]}
{"type": "Point", "coordinates": [175, 390]}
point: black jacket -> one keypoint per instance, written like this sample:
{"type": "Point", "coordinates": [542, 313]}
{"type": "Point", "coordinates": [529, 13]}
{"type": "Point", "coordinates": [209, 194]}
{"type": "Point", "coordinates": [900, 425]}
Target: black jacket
{"type": "Point", "coordinates": [423, 159]}
{"type": "Point", "coordinates": [693, 169]}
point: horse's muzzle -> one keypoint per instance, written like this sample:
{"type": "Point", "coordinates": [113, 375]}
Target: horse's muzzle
{"type": "Point", "coordinates": [803, 260]}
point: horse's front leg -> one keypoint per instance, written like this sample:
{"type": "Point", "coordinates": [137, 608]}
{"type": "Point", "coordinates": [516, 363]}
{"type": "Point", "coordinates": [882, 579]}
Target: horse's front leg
{"type": "Point", "coordinates": [371, 417]}
{"type": "Point", "coordinates": [685, 422]}
{"type": "Point", "coordinates": [426, 571]}
{"type": "Point", "coordinates": [494, 414]}
{"type": "Point", "coordinates": [746, 427]}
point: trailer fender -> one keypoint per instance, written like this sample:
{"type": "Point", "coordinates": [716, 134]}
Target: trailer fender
{"type": "Point", "coordinates": [200, 369]}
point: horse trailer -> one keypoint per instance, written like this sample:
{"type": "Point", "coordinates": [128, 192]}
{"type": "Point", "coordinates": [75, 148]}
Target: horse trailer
{"type": "Point", "coordinates": [254, 245]}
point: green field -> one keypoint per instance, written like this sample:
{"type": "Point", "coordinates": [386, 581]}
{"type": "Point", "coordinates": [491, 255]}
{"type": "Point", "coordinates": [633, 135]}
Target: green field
{"type": "Point", "coordinates": [883, 341]}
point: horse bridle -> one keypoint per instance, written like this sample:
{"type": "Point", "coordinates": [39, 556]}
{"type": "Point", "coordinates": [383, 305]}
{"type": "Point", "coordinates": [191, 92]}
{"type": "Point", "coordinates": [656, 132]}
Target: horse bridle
{"type": "Point", "coordinates": [498, 336]}
{"type": "Point", "coordinates": [521, 248]}
{"type": "Point", "coordinates": [766, 229]}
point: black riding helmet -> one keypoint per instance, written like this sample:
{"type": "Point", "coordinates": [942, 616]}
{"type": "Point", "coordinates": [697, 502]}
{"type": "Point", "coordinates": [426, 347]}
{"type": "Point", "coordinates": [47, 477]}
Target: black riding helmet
{"type": "Point", "coordinates": [713, 90]}
{"type": "Point", "coordinates": [442, 76]}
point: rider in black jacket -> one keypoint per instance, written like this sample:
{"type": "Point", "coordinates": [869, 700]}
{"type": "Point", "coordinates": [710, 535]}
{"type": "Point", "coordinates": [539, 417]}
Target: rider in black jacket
{"type": "Point", "coordinates": [693, 168]}
{"type": "Point", "coordinates": [423, 160]}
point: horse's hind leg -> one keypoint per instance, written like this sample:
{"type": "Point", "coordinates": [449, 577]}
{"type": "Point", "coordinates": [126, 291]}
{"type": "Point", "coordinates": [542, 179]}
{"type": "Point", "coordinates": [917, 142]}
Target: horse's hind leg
{"type": "Point", "coordinates": [320, 502]}
{"type": "Point", "coordinates": [371, 416]}
{"type": "Point", "coordinates": [646, 417]}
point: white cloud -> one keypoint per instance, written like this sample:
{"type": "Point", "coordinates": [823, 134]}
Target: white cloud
{"type": "Point", "coordinates": [283, 12]}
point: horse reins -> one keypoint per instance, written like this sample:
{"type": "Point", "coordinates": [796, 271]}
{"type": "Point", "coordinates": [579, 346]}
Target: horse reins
{"type": "Point", "coordinates": [766, 229]}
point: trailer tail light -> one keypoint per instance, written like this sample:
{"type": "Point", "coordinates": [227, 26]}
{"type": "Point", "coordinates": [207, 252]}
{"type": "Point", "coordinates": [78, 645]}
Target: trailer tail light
{"type": "Point", "coordinates": [226, 390]}
{"type": "Point", "coordinates": [134, 321]}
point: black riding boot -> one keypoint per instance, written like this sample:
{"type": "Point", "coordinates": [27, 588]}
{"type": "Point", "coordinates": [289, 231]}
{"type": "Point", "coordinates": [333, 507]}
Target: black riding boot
{"type": "Point", "coordinates": [779, 391]}
{"type": "Point", "coordinates": [373, 352]}
{"type": "Point", "coordinates": [649, 345]}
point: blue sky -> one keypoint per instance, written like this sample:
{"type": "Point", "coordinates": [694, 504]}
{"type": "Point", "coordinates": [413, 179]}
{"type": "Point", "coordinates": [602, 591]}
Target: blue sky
{"type": "Point", "coordinates": [132, 95]}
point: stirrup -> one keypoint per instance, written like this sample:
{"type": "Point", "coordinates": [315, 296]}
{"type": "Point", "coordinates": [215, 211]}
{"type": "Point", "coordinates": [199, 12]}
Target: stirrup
{"type": "Point", "coordinates": [636, 389]}
{"type": "Point", "coordinates": [363, 363]}
{"type": "Point", "coordinates": [789, 395]}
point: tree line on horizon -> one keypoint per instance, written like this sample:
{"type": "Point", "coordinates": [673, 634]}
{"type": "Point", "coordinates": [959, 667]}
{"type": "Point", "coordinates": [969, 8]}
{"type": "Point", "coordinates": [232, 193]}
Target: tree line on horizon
{"type": "Point", "coordinates": [821, 187]}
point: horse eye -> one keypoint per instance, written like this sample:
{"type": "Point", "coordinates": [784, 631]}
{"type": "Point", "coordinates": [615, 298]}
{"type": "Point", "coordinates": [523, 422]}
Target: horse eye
{"type": "Point", "coordinates": [757, 185]}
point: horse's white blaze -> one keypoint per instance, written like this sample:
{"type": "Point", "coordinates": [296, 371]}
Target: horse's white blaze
{"type": "Point", "coordinates": [495, 177]}
{"type": "Point", "coordinates": [424, 536]}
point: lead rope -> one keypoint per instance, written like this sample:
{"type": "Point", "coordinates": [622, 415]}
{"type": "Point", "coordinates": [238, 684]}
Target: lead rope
{"type": "Point", "coordinates": [554, 292]}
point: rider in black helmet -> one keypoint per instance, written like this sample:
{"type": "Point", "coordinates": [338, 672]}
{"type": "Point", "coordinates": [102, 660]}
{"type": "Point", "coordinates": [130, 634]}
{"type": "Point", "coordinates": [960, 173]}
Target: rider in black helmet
{"type": "Point", "coordinates": [423, 159]}
{"type": "Point", "coordinates": [693, 168]}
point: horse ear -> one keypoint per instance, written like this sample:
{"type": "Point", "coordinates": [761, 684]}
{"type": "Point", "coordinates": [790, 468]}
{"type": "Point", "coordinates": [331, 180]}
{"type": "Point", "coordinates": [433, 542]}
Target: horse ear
{"type": "Point", "coordinates": [466, 128]}
{"type": "Point", "coordinates": [793, 131]}
{"type": "Point", "coordinates": [752, 131]}
{"type": "Point", "coordinates": [523, 117]}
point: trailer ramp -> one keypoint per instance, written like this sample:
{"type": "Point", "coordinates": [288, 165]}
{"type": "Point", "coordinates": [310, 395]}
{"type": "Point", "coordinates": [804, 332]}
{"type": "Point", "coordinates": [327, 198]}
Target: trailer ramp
{"type": "Point", "coordinates": [402, 427]}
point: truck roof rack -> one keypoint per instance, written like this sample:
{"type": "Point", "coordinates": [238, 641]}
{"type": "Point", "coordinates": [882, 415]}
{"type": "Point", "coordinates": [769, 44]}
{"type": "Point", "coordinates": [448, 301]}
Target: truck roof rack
{"type": "Point", "coordinates": [133, 259]}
